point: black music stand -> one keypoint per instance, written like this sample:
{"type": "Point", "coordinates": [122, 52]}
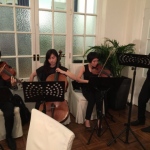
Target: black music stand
{"type": "Point", "coordinates": [51, 91]}
{"type": "Point", "coordinates": [134, 60]}
{"type": "Point", "coordinates": [102, 86]}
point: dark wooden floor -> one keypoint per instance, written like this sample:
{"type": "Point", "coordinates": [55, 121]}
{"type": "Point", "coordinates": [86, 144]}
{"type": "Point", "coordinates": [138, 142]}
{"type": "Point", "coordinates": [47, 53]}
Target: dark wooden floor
{"type": "Point", "coordinates": [97, 143]}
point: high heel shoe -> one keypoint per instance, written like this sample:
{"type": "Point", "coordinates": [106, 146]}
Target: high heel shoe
{"type": "Point", "coordinates": [88, 128]}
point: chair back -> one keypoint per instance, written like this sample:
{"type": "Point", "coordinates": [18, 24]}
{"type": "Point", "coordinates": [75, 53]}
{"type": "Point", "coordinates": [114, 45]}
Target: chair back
{"type": "Point", "coordinates": [46, 133]}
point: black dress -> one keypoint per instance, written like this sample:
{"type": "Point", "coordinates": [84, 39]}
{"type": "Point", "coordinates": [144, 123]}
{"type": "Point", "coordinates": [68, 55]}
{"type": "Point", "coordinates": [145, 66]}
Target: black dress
{"type": "Point", "coordinates": [42, 74]}
{"type": "Point", "coordinates": [92, 96]}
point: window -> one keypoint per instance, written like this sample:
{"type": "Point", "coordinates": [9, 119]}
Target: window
{"type": "Point", "coordinates": [15, 35]}
{"type": "Point", "coordinates": [84, 27]}
{"type": "Point", "coordinates": [28, 28]}
{"type": "Point", "coordinates": [52, 26]}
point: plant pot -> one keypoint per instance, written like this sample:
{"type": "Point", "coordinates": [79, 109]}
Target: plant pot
{"type": "Point", "coordinates": [117, 97]}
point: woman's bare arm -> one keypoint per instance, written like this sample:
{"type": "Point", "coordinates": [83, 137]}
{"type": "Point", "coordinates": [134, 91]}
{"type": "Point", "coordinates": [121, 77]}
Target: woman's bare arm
{"type": "Point", "coordinates": [67, 73]}
{"type": "Point", "coordinates": [32, 76]}
{"type": "Point", "coordinates": [80, 74]}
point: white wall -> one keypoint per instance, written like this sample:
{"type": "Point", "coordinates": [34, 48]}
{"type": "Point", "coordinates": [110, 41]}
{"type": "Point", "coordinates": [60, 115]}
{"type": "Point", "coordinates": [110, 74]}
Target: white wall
{"type": "Point", "coordinates": [115, 22]}
{"type": "Point", "coordinates": [123, 20]}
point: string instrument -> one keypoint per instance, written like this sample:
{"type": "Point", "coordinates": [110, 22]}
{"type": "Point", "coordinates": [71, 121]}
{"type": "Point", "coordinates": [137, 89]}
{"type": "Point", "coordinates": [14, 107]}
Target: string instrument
{"type": "Point", "coordinates": [57, 110]}
{"type": "Point", "coordinates": [100, 70]}
{"type": "Point", "coordinates": [6, 71]}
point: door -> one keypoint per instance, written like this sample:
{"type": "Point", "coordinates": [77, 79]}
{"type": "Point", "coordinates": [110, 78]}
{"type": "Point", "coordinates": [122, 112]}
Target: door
{"type": "Point", "coordinates": [16, 36]}
{"type": "Point", "coordinates": [51, 27]}
{"type": "Point", "coordinates": [31, 27]}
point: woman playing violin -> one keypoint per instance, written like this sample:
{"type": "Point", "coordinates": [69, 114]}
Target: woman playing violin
{"type": "Point", "coordinates": [50, 67]}
{"type": "Point", "coordinates": [91, 95]}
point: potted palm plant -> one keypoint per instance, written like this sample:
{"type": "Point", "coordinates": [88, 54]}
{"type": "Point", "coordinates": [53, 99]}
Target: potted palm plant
{"type": "Point", "coordinates": [117, 97]}
{"type": "Point", "coordinates": [104, 51]}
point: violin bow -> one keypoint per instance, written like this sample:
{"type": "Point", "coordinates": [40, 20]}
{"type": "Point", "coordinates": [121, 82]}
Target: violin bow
{"type": "Point", "coordinates": [110, 53]}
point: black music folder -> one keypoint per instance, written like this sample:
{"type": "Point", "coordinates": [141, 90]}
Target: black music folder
{"type": "Point", "coordinates": [103, 83]}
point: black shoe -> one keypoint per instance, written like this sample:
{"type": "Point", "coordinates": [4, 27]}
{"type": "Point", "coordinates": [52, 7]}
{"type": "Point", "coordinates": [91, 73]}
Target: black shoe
{"type": "Point", "coordinates": [147, 129]}
{"type": "Point", "coordinates": [137, 122]}
{"type": "Point", "coordinates": [88, 128]}
{"type": "Point", "coordinates": [11, 143]}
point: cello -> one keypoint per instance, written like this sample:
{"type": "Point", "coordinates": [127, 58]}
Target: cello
{"type": "Point", "coordinates": [57, 110]}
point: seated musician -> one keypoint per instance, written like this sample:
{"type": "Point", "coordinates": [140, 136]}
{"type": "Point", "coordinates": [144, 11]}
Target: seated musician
{"type": "Point", "coordinates": [49, 68]}
{"type": "Point", "coordinates": [7, 107]}
{"type": "Point", "coordinates": [92, 96]}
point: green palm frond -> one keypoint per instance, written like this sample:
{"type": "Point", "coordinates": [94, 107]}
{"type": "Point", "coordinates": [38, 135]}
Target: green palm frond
{"type": "Point", "coordinates": [104, 50]}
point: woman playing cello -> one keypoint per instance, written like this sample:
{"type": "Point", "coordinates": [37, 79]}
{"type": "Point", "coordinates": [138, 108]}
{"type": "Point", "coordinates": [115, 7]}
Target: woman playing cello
{"type": "Point", "coordinates": [49, 68]}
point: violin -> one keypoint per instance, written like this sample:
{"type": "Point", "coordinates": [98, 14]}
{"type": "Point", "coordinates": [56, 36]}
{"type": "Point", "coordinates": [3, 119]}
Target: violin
{"type": "Point", "coordinates": [6, 71]}
{"type": "Point", "coordinates": [98, 70]}
{"type": "Point", "coordinates": [57, 110]}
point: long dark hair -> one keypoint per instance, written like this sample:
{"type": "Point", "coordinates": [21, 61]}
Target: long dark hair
{"type": "Point", "coordinates": [46, 63]}
{"type": "Point", "coordinates": [48, 54]}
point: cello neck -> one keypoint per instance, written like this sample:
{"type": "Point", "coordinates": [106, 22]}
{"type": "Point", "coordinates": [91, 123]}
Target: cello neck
{"type": "Point", "coordinates": [56, 76]}
{"type": "Point", "coordinates": [57, 65]}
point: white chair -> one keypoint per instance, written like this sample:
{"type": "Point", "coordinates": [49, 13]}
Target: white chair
{"type": "Point", "coordinates": [17, 128]}
{"type": "Point", "coordinates": [45, 133]}
{"type": "Point", "coordinates": [77, 102]}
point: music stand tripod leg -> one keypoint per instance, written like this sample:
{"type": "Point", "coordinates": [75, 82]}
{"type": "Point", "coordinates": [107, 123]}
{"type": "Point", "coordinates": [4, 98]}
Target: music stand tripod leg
{"type": "Point", "coordinates": [108, 127]}
{"type": "Point", "coordinates": [110, 116]}
{"type": "Point", "coordinates": [92, 132]}
{"type": "Point", "coordinates": [137, 139]}
{"type": "Point", "coordinates": [104, 116]}
{"type": "Point", "coordinates": [98, 124]}
{"type": "Point", "coordinates": [114, 139]}
{"type": "Point", "coordinates": [127, 128]}
{"type": "Point", "coordinates": [44, 108]}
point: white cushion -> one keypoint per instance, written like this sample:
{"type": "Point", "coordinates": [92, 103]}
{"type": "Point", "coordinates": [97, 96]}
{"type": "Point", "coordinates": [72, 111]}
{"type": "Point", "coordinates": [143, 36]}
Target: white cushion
{"type": "Point", "coordinates": [46, 133]}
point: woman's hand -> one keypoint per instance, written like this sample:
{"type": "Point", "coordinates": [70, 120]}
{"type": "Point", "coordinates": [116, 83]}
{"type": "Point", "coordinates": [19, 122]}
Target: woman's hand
{"type": "Point", "coordinates": [60, 71]}
{"type": "Point", "coordinates": [13, 81]}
